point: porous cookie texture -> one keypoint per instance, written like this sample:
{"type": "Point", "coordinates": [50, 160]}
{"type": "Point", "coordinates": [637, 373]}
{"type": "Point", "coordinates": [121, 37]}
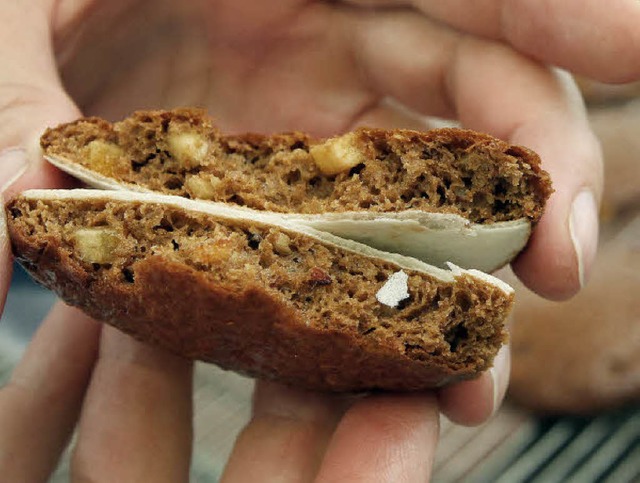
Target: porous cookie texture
{"type": "Point", "coordinates": [181, 152]}
{"type": "Point", "coordinates": [257, 296]}
{"type": "Point", "coordinates": [224, 248]}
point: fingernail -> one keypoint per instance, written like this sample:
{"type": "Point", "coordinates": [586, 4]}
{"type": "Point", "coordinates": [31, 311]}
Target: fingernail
{"type": "Point", "coordinates": [13, 164]}
{"type": "Point", "coordinates": [500, 377]}
{"type": "Point", "coordinates": [4, 231]}
{"type": "Point", "coordinates": [496, 390]}
{"type": "Point", "coordinates": [583, 228]}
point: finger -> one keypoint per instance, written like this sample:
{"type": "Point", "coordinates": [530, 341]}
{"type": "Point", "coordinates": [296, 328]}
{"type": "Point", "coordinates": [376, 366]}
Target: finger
{"type": "Point", "coordinates": [498, 91]}
{"type": "Point", "coordinates": [590, 37]}
{"type": "Point", "coordinates": [384, 438]}
{"type": "Point", "coordinates": [388, 114]}
{"type": "Point", "coordinates": [6, 267]}
{"type": "Point", "coordinates": [397, 57]}
{"type": "Point", "coordinates": [473, 402]}
{"type": "Point", "coordinates": [286, 437]}
{"type": "Point", "coordinates": [31, 96]}
{"type": "Point", "coordinates": [40, 404]}
{"type": "Point", "coordinates": [136, 419]}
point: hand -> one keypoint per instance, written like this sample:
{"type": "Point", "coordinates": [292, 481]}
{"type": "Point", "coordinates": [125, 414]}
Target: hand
{"type": "Point", "coordinates": [286, 64]}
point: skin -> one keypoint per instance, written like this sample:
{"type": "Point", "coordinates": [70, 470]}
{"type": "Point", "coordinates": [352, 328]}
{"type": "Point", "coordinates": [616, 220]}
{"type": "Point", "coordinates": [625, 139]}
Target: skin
{"type": "Point", "coordinates": [323, 67]}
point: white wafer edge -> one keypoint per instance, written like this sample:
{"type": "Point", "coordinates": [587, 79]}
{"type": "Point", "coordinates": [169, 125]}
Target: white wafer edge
{"type": "Point", "coordinates": [230, 212]}
{"type": "Point", "coordinates": [434, 238]}
{"type": "Point", "coordinates": [92, 178]}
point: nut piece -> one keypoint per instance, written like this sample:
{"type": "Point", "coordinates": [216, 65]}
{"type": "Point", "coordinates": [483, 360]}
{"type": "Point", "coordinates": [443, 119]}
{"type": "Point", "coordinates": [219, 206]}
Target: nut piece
{"type": "Point", "coordinates": [281, 244]}
{"type": "Point", "coordinates": [103, 156]}
{"type": "Point", "coordinates": [96, 245]}
{"type": "Point", "coordinates": [337, 155]}
{"type": "Point", "coordinates": [189, 148]}
{"type": "Point", "coordinates": [202, 186]}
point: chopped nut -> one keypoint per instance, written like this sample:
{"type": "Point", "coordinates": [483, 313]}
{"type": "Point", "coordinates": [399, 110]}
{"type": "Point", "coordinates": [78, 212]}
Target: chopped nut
{"type": "Point", "coordinates": [337, 155]}
{"type": "Point", "coordinates": [189, 148]}
{"type": "Point", "coordinates": [317, 276]}
{"type": "Point", "coordinates": [96, 245]}
{"type": "Point", "coordinates": [281, 244]}
{"type": "Point", "coordinates": [104, 156]}
{"type": "Point", "coordinates": [202, 186]}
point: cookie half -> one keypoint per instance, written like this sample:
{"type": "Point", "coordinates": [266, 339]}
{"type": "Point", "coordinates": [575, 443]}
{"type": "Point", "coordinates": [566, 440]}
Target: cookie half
{"type": "Point", "coordinates": [257, 294]}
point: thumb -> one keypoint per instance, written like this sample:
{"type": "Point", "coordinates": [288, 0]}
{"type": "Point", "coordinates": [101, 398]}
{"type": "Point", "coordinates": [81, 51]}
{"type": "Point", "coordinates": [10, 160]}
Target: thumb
{"type": "Point", "coordinates": [31, 98]}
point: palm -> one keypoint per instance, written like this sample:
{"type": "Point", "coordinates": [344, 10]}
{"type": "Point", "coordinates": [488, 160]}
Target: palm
{"type": "Point", "coordinates": [285, 68]}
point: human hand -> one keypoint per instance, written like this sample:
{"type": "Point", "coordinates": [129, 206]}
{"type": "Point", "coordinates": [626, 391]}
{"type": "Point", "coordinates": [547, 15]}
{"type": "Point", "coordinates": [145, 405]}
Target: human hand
{"type": "Point", "coordinates": [322, 67]}
{"type": "Point", "coordinates": [132, 407]}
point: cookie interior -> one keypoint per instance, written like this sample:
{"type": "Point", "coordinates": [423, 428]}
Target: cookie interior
{"type": "Point", "coordinates": [182, 153]}
{"type": "Point", "coordinates": [449, 324]}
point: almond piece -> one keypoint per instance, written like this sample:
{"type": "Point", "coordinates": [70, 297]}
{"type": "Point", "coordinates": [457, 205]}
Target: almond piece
{"type": "Point", "coordinates": [103, 156]}
{"type": "Point", "coordinates": [281, 244]}
{"type": "Point", "coordinates": [202, 186]}
{"type": "Point", "coordinates": [96, 245]}
{"type": "Point", "coordinates": [189, 148]}
{"type": "Point", "coordinates": [337, 155]}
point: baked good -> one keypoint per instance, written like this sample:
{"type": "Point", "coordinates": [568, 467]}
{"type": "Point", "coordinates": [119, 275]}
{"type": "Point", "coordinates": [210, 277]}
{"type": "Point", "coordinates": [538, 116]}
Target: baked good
{"type": "Point", "coordinates": [258, 294]}
{"type": "Point", "coordinates": [581, 356]}
{"type": "Point", "coordinates": [246, 250]}
{"type": "Point", "coordinates": [442, 195]}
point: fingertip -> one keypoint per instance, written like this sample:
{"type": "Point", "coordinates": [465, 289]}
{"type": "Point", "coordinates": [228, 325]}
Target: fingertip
{"type": "Point", "coordinates": [561, 252]}
{"type": "Point", "coordinates": [273, 399]}
{"type": "Point", "coordinates": [500, 374]}
{"type": "Point", "coordinates": [473, 402]}
{"type": "Point", "coordinates": [557, 261]}
{"type": "Point", "coordinates": [547, 267]}
{"type": "Point", "coordinates": [286, 435]}
{"type": "Point", "coordinates": [468, 403]}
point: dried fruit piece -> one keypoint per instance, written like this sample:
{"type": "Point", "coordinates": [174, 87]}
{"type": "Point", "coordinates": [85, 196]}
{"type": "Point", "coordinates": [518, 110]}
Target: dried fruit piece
{"type": "Point", "coordinates": [317, 276]}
